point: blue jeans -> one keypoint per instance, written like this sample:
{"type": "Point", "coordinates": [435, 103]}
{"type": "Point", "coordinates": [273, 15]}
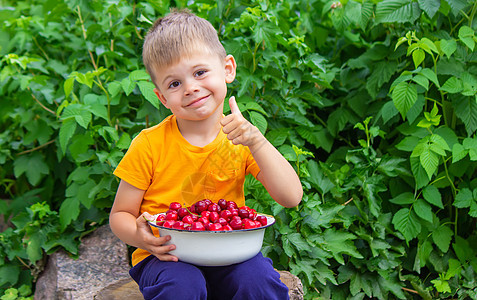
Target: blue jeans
{"type": "Point", "coordinates": [253, 279]}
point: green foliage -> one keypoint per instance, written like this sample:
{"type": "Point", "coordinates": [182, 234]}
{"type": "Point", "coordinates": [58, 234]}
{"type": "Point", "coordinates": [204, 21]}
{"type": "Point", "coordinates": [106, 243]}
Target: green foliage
{"type": "Point", "coordinates": [374, 102]}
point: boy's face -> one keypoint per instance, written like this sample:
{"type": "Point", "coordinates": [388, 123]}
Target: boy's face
{"type": "Point", "coordinates": [196, 86]}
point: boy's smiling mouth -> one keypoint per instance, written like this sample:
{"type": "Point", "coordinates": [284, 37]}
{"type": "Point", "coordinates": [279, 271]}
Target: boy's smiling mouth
{"type": "Point", "coordinates": [198, 101]}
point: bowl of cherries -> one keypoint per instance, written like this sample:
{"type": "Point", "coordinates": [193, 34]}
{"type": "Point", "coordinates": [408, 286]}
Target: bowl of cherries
{"type": "Point", "coordinates": [213, 234]}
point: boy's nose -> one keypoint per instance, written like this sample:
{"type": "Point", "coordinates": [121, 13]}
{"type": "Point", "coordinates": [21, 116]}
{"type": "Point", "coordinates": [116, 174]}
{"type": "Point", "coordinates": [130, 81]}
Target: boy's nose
{"type": "Point", "coordinates": [191, 87]}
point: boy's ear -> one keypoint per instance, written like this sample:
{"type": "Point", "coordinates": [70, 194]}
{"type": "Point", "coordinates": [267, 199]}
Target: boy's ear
{"type": "Point", "coordinates": [161, 97]}
{"type": "Point", "coordinates": [230, 68]}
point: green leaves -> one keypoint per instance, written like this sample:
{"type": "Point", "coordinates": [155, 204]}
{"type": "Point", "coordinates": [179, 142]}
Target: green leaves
{"type": "Point", "coordinates": [432, 195]}
{"type": "Point", "coordinates": [467, 198]}
{"type": "Point", "coordinates": [33, 166]}
{"type": "Point", "coordinates": [442, 237]}
{"type": "Point", "coordinates": [469, 146]}
{"type": "Point", "coordinates": [466, 110]}
{"type": "Point", "coordinates": [79, 113]}
{"type": "Point", "coordinates": [147, 90]}
{"type": "Point", "coordinates": [397, 11]}
{"type": "Point", "coordinates": [448, 47]}
{"type": "Point", "coordinates": [428, 150]}
{"type": "Point", "coordinates": [429, 6]}
{"type": "Point", "coordinates": [339, 243]}
{"type": "Point", "coordinates": [467, 36]}
{"type": "Point", "coordinates": [430, 119]}
{"type": "Point", "coordinates": [404, 96]}
{"type": "Point", "coordinates": [407, 222]}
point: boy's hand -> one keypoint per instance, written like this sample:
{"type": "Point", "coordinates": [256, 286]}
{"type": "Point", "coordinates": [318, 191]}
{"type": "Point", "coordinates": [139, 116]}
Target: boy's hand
{"type": "Point", "coordinates": [152, 244]}
{"type": "Point", "coordinates": [238, 129]}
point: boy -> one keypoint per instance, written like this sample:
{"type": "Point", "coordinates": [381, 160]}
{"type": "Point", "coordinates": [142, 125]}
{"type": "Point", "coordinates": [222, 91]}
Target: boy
{"type": "Point", "coordinates": [195, 153]}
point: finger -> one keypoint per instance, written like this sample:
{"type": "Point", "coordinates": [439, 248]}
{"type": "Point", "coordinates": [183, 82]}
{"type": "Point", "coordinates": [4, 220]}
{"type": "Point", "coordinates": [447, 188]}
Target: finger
{"type": "Point", "coordinates": [163, 254]}
{"type": "Point", "coordinates": [226, 120]}
{"type": "Point", "coordinates": [234, 109]}
{"type": "Point", "coordinates": [157, 241]}
{"type": "Point", "coordinates": [167, 257]}
{"type": "Point", "coordinates": [146, 217]}
{"type": "Point", "coordinates": [142, 220]}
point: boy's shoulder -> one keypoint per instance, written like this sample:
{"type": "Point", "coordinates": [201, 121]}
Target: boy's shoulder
{"type": "Point", "coordinates": [162, 126]}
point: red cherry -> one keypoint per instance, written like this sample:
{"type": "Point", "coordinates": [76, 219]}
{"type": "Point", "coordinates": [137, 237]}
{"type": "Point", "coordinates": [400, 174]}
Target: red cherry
{"type": "Point", "coordinates": [160, 218]}
{"type": "Point", "coordinates": [222, 221]}
{"type": "Point", "coordinates": [172, 216]}
{"type": "Point", "coordinates": [215, 227]}
{"type": "Point", "coordinates": [207, 201]}
{"type": "Point", "coordinates": [175, 205]}
{"type": "Point", "coordinates": [197, 226]}
{"type": "Point", "coordinates": [248, 224]}
{"type": "Point", "coordinates": [205, 213]}
{"type": "Point", "coordinates": [213, 217]}
{"type": "Point", "coordinates": [243, 213]}
{"type": "Point", "coordinates": [226, 214]}
{"type": "Point", "coordinates": [252, 214]}
{"type": "Point", "coordinates": [188, 219]}
{"type": "Point", "coordinates": [222, 203]}
{"type": "Point", "coordinates": [213, 207]}
{"type": "Point", "coordinates": [200, 206]}
{"type": "Point", "coordinates": [178, 225]}
{"type": "Point", "coordinates": [234, 211]}
{"type": "Point", "coordinates": [263, 220]}
{"type": "Point", "coordinates": [231, 204]}
{"type": "Point", "coordinates": [168, 223]}
{"type": "Point", "coordinates": [192, 209]}
{"type": "Point", "coordinates": [227, 228]}
{"type": "Point", "coordinates": [182, 212]}
{"type": "Point", "coordinates": [203, 220]}
{"type": "Point", "coordinates": [236, 224]}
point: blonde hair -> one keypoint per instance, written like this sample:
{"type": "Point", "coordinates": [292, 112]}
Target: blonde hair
{"type": "Point", "coordinates": [178, 34]}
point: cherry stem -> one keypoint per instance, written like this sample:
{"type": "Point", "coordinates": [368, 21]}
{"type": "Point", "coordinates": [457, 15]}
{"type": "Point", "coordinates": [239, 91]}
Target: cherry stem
{"type": "Point", "coordinates": [146, 219]}
{"type": "Point", "coordinates": [185, 206]}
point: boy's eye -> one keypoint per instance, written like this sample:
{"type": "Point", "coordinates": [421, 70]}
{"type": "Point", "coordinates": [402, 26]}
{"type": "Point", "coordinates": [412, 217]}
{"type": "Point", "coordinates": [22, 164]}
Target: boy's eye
{"type": "Point", "coordinates": [200, 73]}
{"type": "Point", "coordinates": [174, 84]}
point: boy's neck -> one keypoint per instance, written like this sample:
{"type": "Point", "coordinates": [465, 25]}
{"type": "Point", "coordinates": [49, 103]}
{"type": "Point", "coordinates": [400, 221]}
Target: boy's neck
{"type": "Point", "coordinates": [200, 133]}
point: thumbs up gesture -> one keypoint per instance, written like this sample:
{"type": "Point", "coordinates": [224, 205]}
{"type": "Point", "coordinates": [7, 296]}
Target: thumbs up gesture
{"type": "Point", "coordinates": [238, 129]}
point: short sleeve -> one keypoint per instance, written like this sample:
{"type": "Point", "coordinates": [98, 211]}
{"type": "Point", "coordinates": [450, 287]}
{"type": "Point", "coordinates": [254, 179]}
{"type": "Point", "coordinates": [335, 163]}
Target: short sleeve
{"type": "Point", "coordinates": [252, 166]}
{"type": "Point", "coordinates": [136, 167]}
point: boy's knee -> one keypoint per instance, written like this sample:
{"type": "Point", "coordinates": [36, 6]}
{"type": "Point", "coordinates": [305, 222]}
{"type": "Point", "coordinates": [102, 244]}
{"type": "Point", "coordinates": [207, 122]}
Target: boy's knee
{"type": "Point", "coordinates": [256, 279]}
{"type": "Point", "coordinates": [176, 281]}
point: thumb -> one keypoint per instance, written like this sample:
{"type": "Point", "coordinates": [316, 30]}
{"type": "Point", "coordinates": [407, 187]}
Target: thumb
{"type": "Point", "coordinates": [234, 109]}
{"type": "Point", "coordinates": [145, 217]}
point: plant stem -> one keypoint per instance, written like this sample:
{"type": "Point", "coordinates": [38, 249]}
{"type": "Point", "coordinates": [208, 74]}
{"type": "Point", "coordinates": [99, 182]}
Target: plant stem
{"type": "Point", "coordinates": [100, 85]}
{"type": "Point", "coordinates": [36, 148]}
{"type": "Point", "coordinates": [38, 101]}
{"type": "Point", "coordinates": [472, 14]}
{"type": "Point", "coordinates": [95, 66]}
{"type": "Point", "coordinates": [85, 37]}
{"type": "Point", "coordinates": [41, 49]}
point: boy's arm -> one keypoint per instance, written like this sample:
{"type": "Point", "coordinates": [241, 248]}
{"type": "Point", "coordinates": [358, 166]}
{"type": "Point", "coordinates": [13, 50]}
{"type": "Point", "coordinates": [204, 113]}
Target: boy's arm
{"type": "Point", "coordinates": [132, 228]}
{"type": "Point", "coordinates": [276, 174]}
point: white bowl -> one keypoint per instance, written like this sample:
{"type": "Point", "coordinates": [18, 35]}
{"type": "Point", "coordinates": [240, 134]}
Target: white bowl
{"type": "Point", "coordinates": [215, 248]}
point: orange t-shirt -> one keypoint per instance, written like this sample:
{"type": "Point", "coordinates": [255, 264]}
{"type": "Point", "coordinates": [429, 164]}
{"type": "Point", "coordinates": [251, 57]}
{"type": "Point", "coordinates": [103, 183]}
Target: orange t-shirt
{"type": "Point", "coordinates": [162, 162]}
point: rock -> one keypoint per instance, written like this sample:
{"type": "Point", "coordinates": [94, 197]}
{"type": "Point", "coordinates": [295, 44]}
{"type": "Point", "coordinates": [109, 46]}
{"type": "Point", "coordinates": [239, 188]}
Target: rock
{"type": "Point", "coordinates": [295, 287]}
{"type": "Point", "coordinates": [103, 260]}
{"type": "Point", "coordinates": [124, 289]}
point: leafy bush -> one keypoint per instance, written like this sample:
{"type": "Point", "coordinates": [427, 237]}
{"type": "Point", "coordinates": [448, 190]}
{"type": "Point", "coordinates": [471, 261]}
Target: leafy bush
{"type": "Point", "coordinates": [374, 102]}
